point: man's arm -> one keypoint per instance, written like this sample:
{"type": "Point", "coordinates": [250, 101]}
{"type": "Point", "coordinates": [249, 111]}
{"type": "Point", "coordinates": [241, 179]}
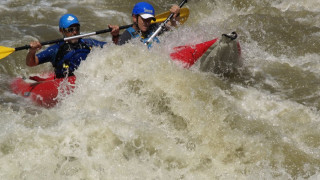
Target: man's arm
{"type": "Point", "coordinates": [32, 59]}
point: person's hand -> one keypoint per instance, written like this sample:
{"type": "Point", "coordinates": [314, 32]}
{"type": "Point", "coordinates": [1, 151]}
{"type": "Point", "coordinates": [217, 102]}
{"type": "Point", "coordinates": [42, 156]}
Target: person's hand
{"type": "Point", "coordinates": [115, 30]}
{"type": "Point", "coordinates": [175, 9]}
{"type": "Point", "coordinates": [114, 33]}
{"type": "Point", "coordinates": [32, 59]}
{"type": "Point", "coordinates": [35, 46]}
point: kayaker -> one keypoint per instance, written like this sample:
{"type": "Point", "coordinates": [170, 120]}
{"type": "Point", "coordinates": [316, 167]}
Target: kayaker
{"type": "Point", "coordinates": [142, 14]}
{"type": "Point", "coordinates": [66, 56]}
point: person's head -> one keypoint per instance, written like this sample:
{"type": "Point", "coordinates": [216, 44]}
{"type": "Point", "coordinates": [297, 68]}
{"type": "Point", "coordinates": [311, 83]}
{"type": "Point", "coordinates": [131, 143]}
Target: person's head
{"type": "Point", "coordinates": [142, 14]}
{"type": "Point", "coordinates": [69, 26]}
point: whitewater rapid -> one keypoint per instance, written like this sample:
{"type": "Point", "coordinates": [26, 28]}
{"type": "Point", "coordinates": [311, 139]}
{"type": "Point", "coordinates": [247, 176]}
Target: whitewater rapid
{"type": "Point", "coordinates": [136, 114]}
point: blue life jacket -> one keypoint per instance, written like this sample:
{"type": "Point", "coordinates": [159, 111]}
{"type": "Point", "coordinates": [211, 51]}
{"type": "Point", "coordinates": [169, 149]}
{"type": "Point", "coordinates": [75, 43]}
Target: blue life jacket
{"type": "Point", "coordinates": [134, 34]}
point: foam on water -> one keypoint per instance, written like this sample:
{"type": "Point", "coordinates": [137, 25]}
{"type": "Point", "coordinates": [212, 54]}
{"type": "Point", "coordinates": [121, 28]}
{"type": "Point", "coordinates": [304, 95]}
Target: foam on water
{"type": "Point", "coordinates": [136, 114]}
{"type": "Point", "coordinates": [296, 5]}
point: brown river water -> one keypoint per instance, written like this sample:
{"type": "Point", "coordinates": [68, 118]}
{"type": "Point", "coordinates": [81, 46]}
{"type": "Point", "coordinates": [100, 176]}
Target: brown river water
{"type": "Point", "coordinates": [137, 115]}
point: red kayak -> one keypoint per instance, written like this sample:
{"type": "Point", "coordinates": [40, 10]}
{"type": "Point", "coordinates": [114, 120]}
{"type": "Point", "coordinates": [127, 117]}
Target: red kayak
{"type": "Point", "coordinates": [44, 91]}
{"type": "Point", "coordinates": [188, 55]}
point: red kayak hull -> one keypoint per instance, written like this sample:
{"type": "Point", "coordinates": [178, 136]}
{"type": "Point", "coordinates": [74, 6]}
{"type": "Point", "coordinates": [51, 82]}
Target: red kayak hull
{"type": "Point", "coordinates": [43, 91]}
{"type": "Point", "coordinates": [188, 55]}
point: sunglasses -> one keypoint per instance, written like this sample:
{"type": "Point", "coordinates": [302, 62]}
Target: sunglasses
{"type": "Point", "coordinates": [71, 29]}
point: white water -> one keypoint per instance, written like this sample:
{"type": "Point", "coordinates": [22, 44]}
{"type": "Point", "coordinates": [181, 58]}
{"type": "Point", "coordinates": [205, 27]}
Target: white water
{"type": "Point", "coordinates": [135, 114]}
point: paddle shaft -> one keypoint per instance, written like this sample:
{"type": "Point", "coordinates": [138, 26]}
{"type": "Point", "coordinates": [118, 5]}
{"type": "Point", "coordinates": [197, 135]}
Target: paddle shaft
{"type": "Point", "coordinates": [72, 37]}
{"type": "Point", "coordinates": [163, 24]}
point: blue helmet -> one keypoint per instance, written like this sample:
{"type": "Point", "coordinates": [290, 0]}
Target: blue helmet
{"type": "Point", "coordinates": [145, 9]}
{"type": "Point", "coordinates": [67, 20]}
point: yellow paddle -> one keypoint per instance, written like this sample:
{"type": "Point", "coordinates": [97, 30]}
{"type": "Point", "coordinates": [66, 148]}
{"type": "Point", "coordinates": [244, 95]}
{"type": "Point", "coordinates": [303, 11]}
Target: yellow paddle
{"type": "Point", "coordinates": [184, 14]}
{"type": "Point", "coordinates": [162, 25]}
{"type": "Point", "coordinates": [6, 51]}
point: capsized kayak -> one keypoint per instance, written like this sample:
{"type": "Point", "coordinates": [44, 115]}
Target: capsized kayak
{"type": "Point", "coordinates": [188, 55]}
{"type": "Point", "coordinates": [220, 55]}
{"type": "Point", "coordinates": [214, 55]}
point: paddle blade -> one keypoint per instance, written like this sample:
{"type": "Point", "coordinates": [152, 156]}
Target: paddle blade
{"type": "Point", "coordinates": [5, 51]}
{"type": "Point", "coordinates": [184, 14]}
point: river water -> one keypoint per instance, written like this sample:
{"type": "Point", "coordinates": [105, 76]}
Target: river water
{"type": "Point", "coordinates": [135, 114]}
